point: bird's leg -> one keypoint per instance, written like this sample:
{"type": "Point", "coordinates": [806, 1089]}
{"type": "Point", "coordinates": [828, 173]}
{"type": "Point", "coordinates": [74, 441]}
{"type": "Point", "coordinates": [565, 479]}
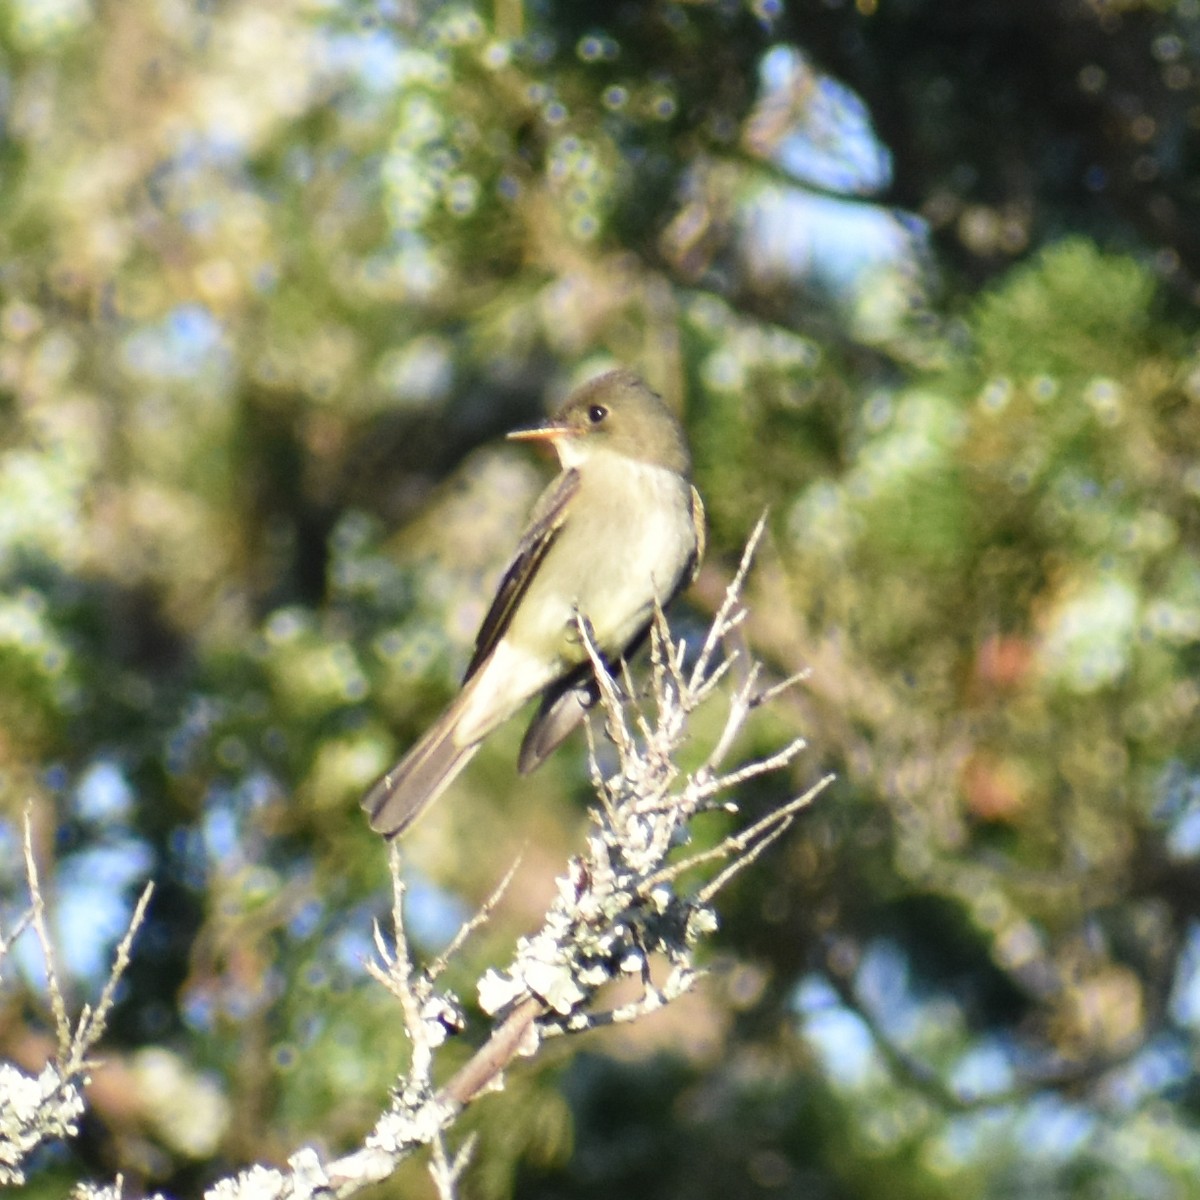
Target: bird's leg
{"type": "Point", "coordinates": [580, 627]}
{"type": "Point", "coordinates": [618, 672]}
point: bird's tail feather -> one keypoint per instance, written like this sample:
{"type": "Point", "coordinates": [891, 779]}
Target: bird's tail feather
{"type": "Point", "coordinates": [419, 778]}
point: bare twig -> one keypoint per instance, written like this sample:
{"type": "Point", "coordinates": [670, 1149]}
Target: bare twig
{"type": "Point", "coordinates": [727, 619]}
{"type": "Point", "coordinates": [58, 1005]}
{"type": "Point", "coordinates": [619, 905]}
{"type": "Point", "coordinates": [472, 923]}
{"type": "Point", "coordinates": [22, 923]}
{"type": "Point", "coordinates": [90, 1027]}
{"type": "Point", "coordinates": [628, 906]}
{"type": "Point", "coordinates": [48, 1107]}
{"type": "Point", "coordinates": [741, 843]}
{"type": "Point", "coordinates": [777, 689]}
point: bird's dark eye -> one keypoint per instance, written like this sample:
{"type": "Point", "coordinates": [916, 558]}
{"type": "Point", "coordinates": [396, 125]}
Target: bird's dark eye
{"type": "Point", "coordinates": [597, 413]}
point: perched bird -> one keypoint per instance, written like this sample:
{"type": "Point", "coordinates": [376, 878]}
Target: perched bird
{"type": "Point", "coordinates": [619, 529]}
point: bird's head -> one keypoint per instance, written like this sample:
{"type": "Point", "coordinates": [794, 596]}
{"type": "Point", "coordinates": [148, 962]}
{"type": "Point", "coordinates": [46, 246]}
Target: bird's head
{"type": "Point", "coordinates": [615, 412]}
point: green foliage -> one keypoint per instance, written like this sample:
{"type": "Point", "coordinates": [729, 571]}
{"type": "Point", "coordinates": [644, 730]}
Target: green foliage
{"type": "Point", "coordinates": [1107, 302]}
{"type": "Point", "coordinates": [275, 279]}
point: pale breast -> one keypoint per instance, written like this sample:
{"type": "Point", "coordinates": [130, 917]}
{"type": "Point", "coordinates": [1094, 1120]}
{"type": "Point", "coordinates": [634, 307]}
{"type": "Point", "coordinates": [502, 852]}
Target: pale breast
{"type": "Point", "coordinates": [627, 539]}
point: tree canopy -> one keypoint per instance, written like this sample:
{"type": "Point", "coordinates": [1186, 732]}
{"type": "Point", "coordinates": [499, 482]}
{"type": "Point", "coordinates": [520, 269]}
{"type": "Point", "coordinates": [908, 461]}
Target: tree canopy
{"type": "Point", "coordinates": [920, 280]}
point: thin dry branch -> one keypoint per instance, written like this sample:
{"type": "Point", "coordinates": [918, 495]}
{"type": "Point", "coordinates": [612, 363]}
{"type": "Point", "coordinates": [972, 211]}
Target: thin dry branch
{"type": "Point", "coordinates": [37, 1110]}
{"type": "Point", "coordinates": [58, 1005]}
{"type": "Point", "coordinates": [22, 923]}
{"type": "Point", "coordinates": [628, 905]}
{"type": "Point", "coordinates": [472, 923]}
{"type": "Point", "coordinates": [618, 905]}
{"type": "Point", "coordinates": [92, 1023]}
{"type": "Point", "coordinates": [726, 618]}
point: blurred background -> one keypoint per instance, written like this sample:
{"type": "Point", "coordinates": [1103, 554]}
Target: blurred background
{"type": "Point", "coordinates": [920, 277]}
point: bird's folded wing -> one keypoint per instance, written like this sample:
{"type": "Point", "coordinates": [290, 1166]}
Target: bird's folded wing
{"type": "Point", "coordinates": [548, 516]}
{"type": "Point", "coordinates": [698, 525]}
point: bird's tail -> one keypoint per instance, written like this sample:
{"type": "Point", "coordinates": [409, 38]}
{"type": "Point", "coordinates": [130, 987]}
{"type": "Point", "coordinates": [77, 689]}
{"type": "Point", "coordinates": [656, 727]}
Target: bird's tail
{"type": "Point", "coordinates": [419, 778]}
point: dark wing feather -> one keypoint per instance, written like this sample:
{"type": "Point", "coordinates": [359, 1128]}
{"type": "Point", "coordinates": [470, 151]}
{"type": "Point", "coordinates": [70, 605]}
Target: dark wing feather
{"type": "Point", "coordinates": [545, 523]}
{"type": "Point", "coordinates": [698, 524]}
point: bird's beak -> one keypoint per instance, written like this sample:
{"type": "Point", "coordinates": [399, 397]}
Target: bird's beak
{"type": "Point", "coordinates": [550, 432]}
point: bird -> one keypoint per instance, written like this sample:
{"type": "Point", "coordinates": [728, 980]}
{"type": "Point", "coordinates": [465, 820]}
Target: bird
{"type": "Point", "coordinates": [618, 532]}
